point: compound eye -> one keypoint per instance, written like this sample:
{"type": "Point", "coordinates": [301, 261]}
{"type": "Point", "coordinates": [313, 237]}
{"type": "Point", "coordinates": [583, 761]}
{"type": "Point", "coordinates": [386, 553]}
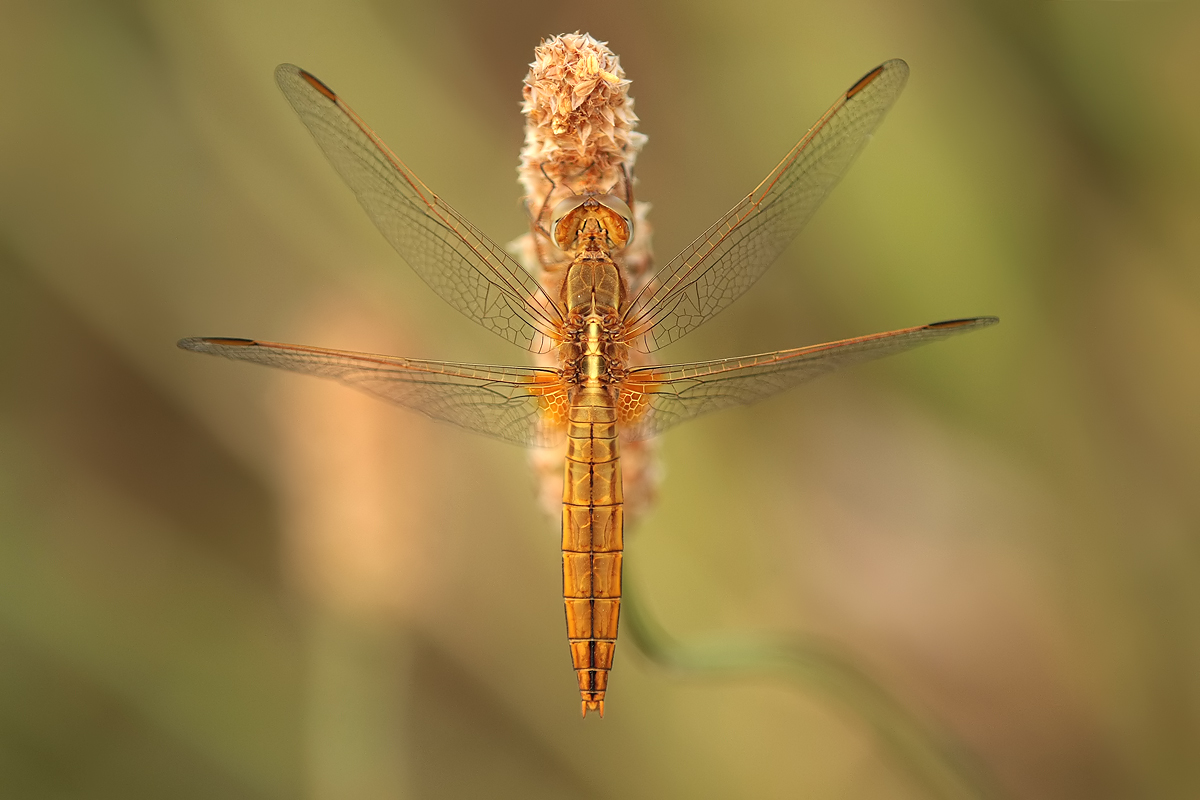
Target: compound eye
{"type": "Point", "coordinates": [618, 206]}
{"type": "Point", "coordinates": [562, 237]}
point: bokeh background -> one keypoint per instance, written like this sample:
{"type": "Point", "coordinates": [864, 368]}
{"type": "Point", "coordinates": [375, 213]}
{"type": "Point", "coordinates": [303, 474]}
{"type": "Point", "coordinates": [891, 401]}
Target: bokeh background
{"type": "Point", "coordinates": [221, 581]}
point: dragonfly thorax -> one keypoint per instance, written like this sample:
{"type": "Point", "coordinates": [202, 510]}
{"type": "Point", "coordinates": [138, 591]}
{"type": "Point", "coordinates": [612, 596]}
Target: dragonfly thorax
{"type": "Point", "coordinates": [593, 285]}
{"type": "Point", "coordinates": [592, 355]}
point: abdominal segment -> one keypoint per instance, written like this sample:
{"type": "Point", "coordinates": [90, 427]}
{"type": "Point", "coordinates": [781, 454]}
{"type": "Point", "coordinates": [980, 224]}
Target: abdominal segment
{"type": "Point", "coordinates": [592, 541]}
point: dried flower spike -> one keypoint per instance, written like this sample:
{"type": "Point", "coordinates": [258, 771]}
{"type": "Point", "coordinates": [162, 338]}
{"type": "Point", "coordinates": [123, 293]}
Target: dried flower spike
{"type": "Point", "coordinates": [580, 138]}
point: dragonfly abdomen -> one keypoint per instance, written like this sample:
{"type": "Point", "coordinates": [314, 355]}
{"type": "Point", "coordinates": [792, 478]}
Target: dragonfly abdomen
{"type": "Point", "coordinates": [592, 540]}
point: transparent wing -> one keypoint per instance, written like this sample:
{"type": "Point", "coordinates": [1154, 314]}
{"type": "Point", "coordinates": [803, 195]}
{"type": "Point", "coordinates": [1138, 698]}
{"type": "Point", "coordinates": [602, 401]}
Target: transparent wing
{"type": "Point", "coordinates": [516, 404]}
{"type": "Point", "coordinates": [731, 255]}
{"type": "Point", "coordinates": [656, 398]}
{"type": "Point", "coordinates": [466, 268]}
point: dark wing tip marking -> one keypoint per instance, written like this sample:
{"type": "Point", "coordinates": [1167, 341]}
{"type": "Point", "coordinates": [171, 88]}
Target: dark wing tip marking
{"type": "Point", "coordinates": [314, 82]}
{"type": "Point", "coordinates": [286, 73]}
{"type": "Point", "coordinates": [200, 343]}
{"type": "Point", "coordinates": [866, 80]}
{"type": "Point", "coordinates": [227, 340]}
{"type": "Point", "coordinates": [863, 81]}
{"type": "Point", "coordinates": [980, 322]}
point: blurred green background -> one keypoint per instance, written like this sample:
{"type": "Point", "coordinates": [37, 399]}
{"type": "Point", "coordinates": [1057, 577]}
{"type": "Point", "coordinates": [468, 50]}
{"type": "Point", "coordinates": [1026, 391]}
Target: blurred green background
{"type": "Point", "coordinates": [222, 581]}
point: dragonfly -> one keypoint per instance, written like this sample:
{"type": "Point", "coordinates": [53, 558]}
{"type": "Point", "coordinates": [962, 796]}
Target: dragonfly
{"type": "Point", "coordinates": [594, 399]}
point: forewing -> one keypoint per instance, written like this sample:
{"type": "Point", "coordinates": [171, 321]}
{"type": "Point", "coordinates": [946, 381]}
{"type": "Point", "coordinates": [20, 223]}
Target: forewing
{"type": "Point", "coordinates": [466, 268]}
{"type": "Point", "coordinates": [524, 405]}
{"type": "Point", "coordinates": [656, 398]}
{"type": "Point", "coordinates": [732, 254]}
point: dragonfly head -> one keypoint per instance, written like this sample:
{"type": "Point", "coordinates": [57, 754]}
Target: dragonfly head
{"type": "Point", "coordinates": [610, 212]}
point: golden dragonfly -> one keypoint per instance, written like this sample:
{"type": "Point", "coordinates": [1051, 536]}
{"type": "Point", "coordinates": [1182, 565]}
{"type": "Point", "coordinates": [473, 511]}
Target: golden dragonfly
{"type": "Point", "coordinates": [595, 398]}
